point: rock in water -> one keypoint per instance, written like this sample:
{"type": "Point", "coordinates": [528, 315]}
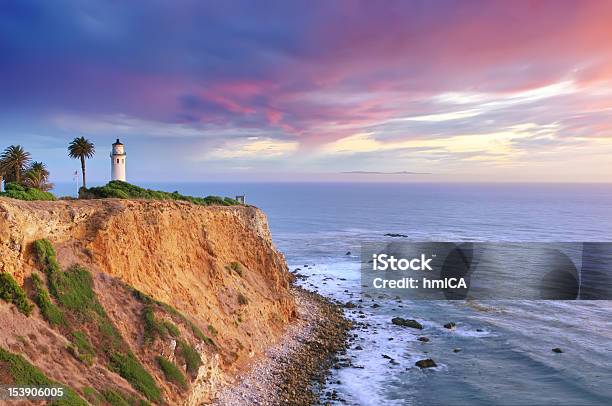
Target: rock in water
{"type": "Point", "coordinates": [398, 321]}
{"type": "Point", "coordinates": [557, 350]}
{"type": "Point", "coordinates": [450, 325]}
{"type": "Point", "coordinates": [348, 253]}
{"type": "Point", "coordinates": [426, 363]}
{"type": "Point", "coordinates": [349, 305]}
{"type": "Point", "coordinates": [457, 350]}
{"type": "Point", "coordinates": [423, 339]}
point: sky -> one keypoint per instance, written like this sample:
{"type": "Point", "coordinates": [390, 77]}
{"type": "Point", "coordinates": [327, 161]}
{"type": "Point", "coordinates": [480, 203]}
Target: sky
{"type": "Point", "coordinates": [458, 91]}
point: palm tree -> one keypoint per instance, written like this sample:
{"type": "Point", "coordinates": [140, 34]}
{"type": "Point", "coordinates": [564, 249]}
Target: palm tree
{"type": "Point", "coordinates": [81, 148]}
{"type": "Point", "coordinates": [13, 162]}
{"type": "Point", "coordinates": [37, 177]}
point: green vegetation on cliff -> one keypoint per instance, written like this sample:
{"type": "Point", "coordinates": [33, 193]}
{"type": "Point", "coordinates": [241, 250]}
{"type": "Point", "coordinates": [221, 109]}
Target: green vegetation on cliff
{"type": "Point", "coordinates": [171, 372]}
{"type": "Point", "coordinates": [11, 292]}
{"type": "Point", "coordinates": [148, 301]}
{"type": "Point", "coordinates": [81, 348]}
{"type": "Point", "coordinates": [191, 357]}
{"type": "Point", "coordinates": [111, 397]}
{"type": "Point", "coordinates": [21, 372]}
{"type": "Point", "coordinates": [50, 312]}
{"type": "Point", "coordinates": [154, 328]}
{"type": "Point", "coordinates": [17, 191]}
{"type": "Point", "coordinates": [79, 307]}
{"type": "Point", "coordinates": [123, 190]}
{"type": "Point", "coordinates": [132, 370]}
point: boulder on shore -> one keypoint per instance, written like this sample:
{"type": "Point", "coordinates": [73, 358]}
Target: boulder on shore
{"type": "Point", "coordinates": [426, 363]}
{"type": "Point", "coordinates": [398, 321]}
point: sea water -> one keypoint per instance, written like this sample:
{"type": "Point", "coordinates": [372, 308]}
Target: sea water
{"type": "Point", "coordinates": [504, 355]}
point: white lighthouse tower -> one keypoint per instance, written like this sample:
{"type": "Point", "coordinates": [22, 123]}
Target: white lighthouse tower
{"type": "Point", "coordinates": [118, 161]}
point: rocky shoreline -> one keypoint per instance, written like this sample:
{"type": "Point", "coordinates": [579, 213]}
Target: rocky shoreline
{"type": "Point", "coordinates": [294, 371]}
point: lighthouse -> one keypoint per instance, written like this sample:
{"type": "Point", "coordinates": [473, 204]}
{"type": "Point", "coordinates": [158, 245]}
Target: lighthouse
{"type": "Point", "coordinates": [117, 157]}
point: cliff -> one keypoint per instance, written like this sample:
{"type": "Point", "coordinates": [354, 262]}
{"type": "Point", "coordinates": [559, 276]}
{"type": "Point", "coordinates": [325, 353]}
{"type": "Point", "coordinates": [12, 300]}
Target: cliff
{"type": "Point", "coordinates": [215, 267]}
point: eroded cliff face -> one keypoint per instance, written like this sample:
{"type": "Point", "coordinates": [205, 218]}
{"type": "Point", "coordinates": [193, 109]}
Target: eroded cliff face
{"type": "Point", "coordinates": [216, 265]}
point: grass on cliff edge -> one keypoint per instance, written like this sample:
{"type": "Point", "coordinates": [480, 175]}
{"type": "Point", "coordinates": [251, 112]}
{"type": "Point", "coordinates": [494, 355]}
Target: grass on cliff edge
{"type": "Point", "coordinates": [23, 373]}
{"type": "Point", "coordinates": [17, 191]}
{"type": "Point", "coordinates": [74, 293]}
{"type": "Point", "coordinates": [124, 190]}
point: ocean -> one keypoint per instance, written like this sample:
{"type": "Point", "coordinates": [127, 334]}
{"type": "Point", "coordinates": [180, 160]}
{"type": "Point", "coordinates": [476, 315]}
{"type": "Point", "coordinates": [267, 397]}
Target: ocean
{"type": "Point", "coordinates": [500, 352]}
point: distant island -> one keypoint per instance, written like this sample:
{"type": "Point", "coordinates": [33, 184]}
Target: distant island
{"type": "Point", "coordinates": [385, 173]}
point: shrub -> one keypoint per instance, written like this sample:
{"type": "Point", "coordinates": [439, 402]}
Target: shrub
{"type": "Point", "coordinates": [132, 370]}
{"type": "Point", "coordinates": [171, 328]}
{"type": "Point", "coordinates": [212, 330]}
{"type": "Point", "coordinates": [82, 348]}
{"type": "Point", "coordinates": [237, 267]}
{"type": "Point", "coordinates": [191, 357]}
{"type": "Point", "coordinates": [124, 190]}
{"type": "Point", "coordinates": [110, 335]}
{"type": "Point", "coordinates": [93, 396]}
{"type": "Point", "coordinates": [231, 202]}
{"type": "Point", "coordinates": [242, 300]}
{"type": "Point", "coordinates": [114, 398]}
{"type": "Point", "coordinates": [200, 334]}
{"type": "Point", "coordinates": [44, 251]}
{"type": "Point", "coordinates": [154, 328]}
{"type": "Point", "coordinates": [11, 292]}
{"type": "Point", "coordinates": [21, 372]}
{"type": "Point", "coordinates": [73, 289]}
{"type": "Point", "coordinates": [171, 372]}
{"type": "Point", "coordinates": [50, 312]}
{"type": "Point", "coordinates": [17, 191]}
{"type": "Point", "coordinates": [148, 300]}
{"type": "Point", "coordinates": [14, 187]}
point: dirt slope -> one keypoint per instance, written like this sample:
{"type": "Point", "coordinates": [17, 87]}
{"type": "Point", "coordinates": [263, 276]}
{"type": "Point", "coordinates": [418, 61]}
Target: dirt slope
{"type": "Point", "coordinates": [215, 265]}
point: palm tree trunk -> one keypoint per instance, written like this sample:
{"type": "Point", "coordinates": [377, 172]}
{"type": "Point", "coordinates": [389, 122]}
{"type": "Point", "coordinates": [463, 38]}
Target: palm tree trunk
{"type": "Point", "coordinates": [83, 171]}
{"type": "Point", "coordinates": [1, 179]}
{"type": "Point", "coordinates": [18, 175]}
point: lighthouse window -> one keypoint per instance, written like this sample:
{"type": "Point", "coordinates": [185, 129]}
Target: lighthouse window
{"type": "Point", "coordinates": [117, 160]}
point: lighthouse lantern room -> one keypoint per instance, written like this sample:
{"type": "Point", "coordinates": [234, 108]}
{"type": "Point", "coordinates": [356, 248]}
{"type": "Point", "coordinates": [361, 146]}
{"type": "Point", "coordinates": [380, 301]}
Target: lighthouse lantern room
{"type": "Point", "coordinates": [118, 161]}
